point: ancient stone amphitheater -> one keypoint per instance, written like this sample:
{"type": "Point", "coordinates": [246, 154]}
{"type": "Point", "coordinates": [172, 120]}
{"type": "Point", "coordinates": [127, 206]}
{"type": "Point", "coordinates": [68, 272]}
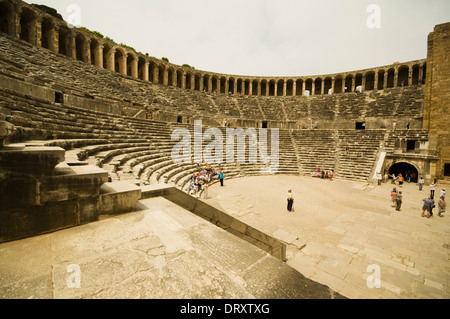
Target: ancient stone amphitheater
{"type": "Point", "coordinates": [86, 124]}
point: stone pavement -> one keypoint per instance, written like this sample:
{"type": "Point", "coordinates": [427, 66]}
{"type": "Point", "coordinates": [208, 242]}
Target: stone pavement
{"type": "Point", "coordinates": [346, 235]}
{"type": "Point", "coordinates": [161, 251]}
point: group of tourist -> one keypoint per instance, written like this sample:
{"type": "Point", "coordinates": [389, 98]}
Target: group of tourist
{"type": "Point", "coordinates": [203, 178]}
{"type": "Point", "coordinates": [428, 202]}
{"type": "Point", "coordinates": [400, 178]}
{"type": "Point", "coordinates": [325, 174]}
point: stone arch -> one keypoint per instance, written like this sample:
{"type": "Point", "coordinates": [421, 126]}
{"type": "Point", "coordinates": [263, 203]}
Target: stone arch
{"type": "Point", "coordinates": [309, 86]}
{"type": "Point", "coordinates": [171, 76]}
{"type": "Point", "coordinates": [299, 87]}
{"type": "Point", "coordinates": [338, 84]}
{"type": "Point", "coordinates": [108, 55]}
{"type": "Point", "coordinates": [370, 81]}
{"type": "Point", "coordinates": [188, 82]}
{"type": "Point", "coordinates": [349, 83]}
{"type": "Point", "coordinates": [255, 84]}
{"type": "Point", "coordinates": [402, 168]}
{"type": "Point", "coordinates": [280, 88]}
{"type": "Point", "coordinates": [318, 86]}
{"type": "Point", "coordinates": [161, 73]}
{"type": "Point", "coordinates": [120, 58]}
{"type": "Point", "coordinates": [327, 85]}
{"type": "Point", "coordinates": [131, 58]}
{"type": "Point", "coordinates": [214, 84]}
{"type": "Point", "coordinates": [80, 47]}
{"type": "Point", "coordinates": [94, 48]}
{"type": "Point", "coordinates": [290, 88]}
{"type": "Point", "coordinates": [180, 75]}
{"type": "Point", "coordinates": [264, 88]}
{"type": "Point", "coordinates": [272, 88]}
{"type": "Point", "coordinates": [197, 81]}
{"type": "Point", "coordinates": [152, 71]}
{"type": "Point", "coordinates": [47, 34]}
{"type": "Point", "coordinates": [223, 85]}
{"type": "Point", "coordinates": [65, 41]}
{"type": "Point", "coordinates": [239, 86]}
{"type": "Point", "coordinates": [381, 76]}
{"type": "Point", "coordinates": [390, 78]}
{"type": "Point", "coordinates": [142, 74]}
{"type": "Point", "coordinates": [6, 17]}
{"type": "Point", "coordinates": [231, 88]}
{"type": "Point", "coordinates": [27, 25]}
{"type": "Point", "coordinates": [206, 83]}
{"type": "Point", "coordinates": [403, 76]}
{"type": "Point", "coordinates": [358, 81]}
{"type": "Point", "coordinates": [247, 87]}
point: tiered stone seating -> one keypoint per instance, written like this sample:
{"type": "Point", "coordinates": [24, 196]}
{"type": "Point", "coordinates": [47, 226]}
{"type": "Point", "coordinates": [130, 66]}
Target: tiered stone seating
{"type": "Point", "coordinates": [357, 153]}
{"type": "Point", "coordinates": [316, 149]}
{"type": "Point", "coordinates": [272, 108]}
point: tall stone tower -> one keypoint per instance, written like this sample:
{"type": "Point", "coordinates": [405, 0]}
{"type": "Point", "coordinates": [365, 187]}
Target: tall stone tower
{"type": "Point", "coordinates": [436, 116]}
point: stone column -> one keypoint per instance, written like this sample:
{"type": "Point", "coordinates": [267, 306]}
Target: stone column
{"type": "Point", "coordinates": [275, 89]}
{"type": "Point", "coordinates": [98, 56]}
{"type": "Point", "coordinates": [134, 68]}
{"type": "Point", "coordinates": [385, 80]}
{"type": "Point", "coordinates": [123, 64]}
{"type": "Point", "coordinates": [38, 25]}
{"type": "Point", "coordinates": [353, 84]}
{"type": "Point", "coordinates": [396, 77]}
{"type": "Point", "coordinates": [303, 87]}
{"type": "Point", "coordinates": [210, 89]}
{"type": "Point", "coordinates": [363, 83]}
{"type": "Point", "coordinates": [86, 51]}
{"type": "Point", "coordinates": [322, 86]}
{"type": "Point", "coordinates": [332, 85]}
{"type": "Point", "coordinates": [285, 88]}
{"type": "Point", "coordinates": [193, 82]}
{"type": "Point", "coordinates": [375, 84]}
{"type": "Point", "coordinates": [71, 50]}
{"type": "Point", "coordinates": [183, 81]}
{"type": "Point", "coordinates": [111, 60]}
{"type": "Point", "coordinates": [410, 76]}
{"type": "Point", "coordinates": [313, 87]}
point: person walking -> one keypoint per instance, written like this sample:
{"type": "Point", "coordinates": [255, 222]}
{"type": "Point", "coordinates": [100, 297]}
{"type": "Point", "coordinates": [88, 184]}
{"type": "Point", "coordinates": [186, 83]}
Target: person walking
{"type": "Point", "coordinates": [400, 180]}
{"type": "Point", "coordinates": [290, 201]}
{"type": "Point", "coordinates": [427, 204]}
{"type": "Point", "coordinates": [421, 182]}
{"type": "Point", "coordinates": [205, 190]}
{"type": "Point", "coordinates": [432, 189]}
{"type": "Point", "coordinates": [399, 200]}
{"type": "Point", "coordinates": [394, 197]}
{"type": "Point", "coordinates": [221, 178]}
{"type": "Point", "coordinates": [442, 205]}
{"type": "Point", "coordinates": [442, 193]}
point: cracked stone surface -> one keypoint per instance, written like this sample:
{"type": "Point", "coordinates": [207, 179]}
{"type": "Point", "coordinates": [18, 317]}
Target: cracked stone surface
{"type": "Point", "coordinates": [159, 252]}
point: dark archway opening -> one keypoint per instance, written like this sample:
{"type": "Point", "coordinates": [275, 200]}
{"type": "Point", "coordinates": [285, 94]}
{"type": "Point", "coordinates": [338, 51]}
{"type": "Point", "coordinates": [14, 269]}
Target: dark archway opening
{"type": "Point", "coordinates": [406, 170]}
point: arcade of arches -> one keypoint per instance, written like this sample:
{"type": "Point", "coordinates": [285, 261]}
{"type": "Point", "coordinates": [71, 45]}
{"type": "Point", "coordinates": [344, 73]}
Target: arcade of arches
{"type": "Point", "coordinates": [42, 29]}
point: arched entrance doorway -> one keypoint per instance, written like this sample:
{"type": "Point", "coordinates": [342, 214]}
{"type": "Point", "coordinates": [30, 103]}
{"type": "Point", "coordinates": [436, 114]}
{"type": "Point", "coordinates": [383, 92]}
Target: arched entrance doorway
{"type": "Point", "coordinates": [406, 170]}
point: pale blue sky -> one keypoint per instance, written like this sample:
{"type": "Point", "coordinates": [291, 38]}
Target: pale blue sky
{"type": "Point", "coordinates": [265, 37]}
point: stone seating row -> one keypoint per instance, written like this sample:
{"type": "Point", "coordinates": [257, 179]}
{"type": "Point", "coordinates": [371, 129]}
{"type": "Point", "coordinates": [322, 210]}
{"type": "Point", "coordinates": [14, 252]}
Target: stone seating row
{"type": "Point", "coordinates": [38, 65]}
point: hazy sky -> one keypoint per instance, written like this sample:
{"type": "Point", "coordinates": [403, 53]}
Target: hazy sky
{"type": "Point", "coordinates": [265, 37]}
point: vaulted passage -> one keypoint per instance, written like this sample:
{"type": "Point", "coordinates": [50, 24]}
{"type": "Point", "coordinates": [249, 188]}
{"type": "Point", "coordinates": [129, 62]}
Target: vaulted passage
{"type": "Point", "coordinates": [404, 169]}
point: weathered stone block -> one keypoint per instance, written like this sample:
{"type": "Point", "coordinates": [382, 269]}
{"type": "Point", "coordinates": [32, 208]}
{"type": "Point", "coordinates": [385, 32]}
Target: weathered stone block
{"type": "Point", "coordinates": [118, 198]}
